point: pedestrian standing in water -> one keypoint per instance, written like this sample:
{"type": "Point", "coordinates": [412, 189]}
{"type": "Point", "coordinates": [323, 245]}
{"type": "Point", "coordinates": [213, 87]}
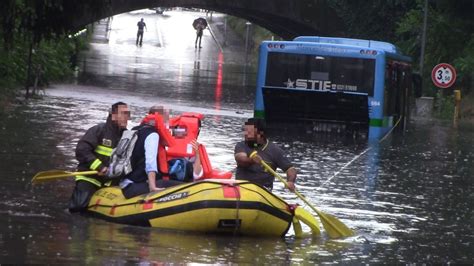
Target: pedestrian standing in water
{"type": "Point", "coordinates": [141, 26]}
{"type": "Point", "coordinates": [199, 31]}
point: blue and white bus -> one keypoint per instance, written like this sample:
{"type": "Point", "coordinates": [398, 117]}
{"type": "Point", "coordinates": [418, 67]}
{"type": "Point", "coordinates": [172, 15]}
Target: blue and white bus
{"type": "Point", "coordinates": [333, 84]}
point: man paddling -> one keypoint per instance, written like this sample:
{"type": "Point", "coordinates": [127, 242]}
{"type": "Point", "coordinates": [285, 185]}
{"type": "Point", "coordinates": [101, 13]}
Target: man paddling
{"type": "Point", "coordinates": [93, 153]}
{"type": "Point", "coordinates": [250, 168]}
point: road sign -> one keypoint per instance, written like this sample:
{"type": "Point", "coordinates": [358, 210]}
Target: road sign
{"type": "Point", "coordinates": [443, 75]}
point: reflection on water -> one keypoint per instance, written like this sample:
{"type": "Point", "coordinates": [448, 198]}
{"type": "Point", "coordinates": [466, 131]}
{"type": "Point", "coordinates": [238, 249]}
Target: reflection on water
{"type": "Point", "coordinates": [172, 68]}
{"type": "Point", "coordinates": [409, 198]}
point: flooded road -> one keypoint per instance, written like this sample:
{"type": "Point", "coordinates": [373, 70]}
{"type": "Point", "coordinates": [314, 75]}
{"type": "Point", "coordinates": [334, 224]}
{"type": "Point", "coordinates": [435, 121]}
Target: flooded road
{"type": "Point", "coordinates": [409, 198]}
{"type": "Point", "coordinates": [167, 65]}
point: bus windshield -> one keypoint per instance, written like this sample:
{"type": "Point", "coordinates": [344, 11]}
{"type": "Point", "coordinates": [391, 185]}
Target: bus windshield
{"type": "Point", "coordinates": [320, 73]}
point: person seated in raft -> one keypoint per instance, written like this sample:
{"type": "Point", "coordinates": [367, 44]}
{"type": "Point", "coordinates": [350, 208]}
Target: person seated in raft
{"type": "Point", "coordinates": [249, 168]}
{"type": "Point", "coordinates": [93, 153]}
{"type": "Point", "coordinates": [186, 169]}
{"type": "Point", "coordinates": [145, 176]}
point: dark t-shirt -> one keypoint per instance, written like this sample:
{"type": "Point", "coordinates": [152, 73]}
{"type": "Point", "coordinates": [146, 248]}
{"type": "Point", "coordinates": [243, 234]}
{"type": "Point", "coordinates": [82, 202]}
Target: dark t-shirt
{"type": "Point", "coordinates": [199, 31]}
{"type": "Point", "coordinates": [271, 154]}
{"type": "Point", "coordinates": [141, 25]}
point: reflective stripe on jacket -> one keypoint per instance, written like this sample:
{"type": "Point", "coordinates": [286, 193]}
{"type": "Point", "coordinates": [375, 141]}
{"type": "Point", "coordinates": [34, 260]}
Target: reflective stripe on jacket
{"type": "Point", "coordinates": [94, 149]}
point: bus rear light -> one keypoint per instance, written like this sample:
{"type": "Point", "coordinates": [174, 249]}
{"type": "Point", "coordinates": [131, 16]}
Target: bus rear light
{"type": "Point", "coordinates": [276, 45]}
{"type": "Point", "coordinates": [369, 52]}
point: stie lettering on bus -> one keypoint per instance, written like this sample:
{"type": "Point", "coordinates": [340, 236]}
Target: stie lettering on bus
{"type": "Point", "coordinates": [318, 85]}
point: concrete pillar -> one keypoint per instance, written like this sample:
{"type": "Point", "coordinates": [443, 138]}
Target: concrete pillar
{"type": "Point", "coordinates": [424, 107]}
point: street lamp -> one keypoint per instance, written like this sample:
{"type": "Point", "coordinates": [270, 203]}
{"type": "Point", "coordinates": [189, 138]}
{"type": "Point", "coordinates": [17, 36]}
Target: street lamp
{"type": "Point", "coordinates": [247, 24]}
{"type": "Point", "coordinates": [225, 30]}
{"type": "Point", "coordinates": [423, 39]}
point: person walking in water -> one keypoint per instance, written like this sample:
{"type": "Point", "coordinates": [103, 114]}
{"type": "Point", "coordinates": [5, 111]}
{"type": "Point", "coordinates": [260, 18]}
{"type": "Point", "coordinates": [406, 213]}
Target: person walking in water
{"type": "Point", "coordinates": [199, 30]}
{"type": "Point", "coordinates": [141, 25]}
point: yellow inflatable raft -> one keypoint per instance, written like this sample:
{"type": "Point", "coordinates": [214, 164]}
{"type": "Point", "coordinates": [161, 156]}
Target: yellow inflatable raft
{"type": "Point", "coordinates": [211, 206]}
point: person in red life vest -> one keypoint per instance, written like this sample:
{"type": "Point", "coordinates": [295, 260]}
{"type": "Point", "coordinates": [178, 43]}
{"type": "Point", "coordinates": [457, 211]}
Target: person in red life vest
{"type": "Point", "coordinates": [93, 153]}
{"type": "Point", "coordinates": [181, 168]}
{"type": "Point", "coordinates": [250, 168]}
{"type": "Point", "coordinates": [146, 176]}
{"type": "Point", "coordinates": [184, 162]}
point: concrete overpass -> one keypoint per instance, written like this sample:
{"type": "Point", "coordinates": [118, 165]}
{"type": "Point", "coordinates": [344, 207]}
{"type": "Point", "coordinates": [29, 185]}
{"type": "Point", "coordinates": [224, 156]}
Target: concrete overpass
{"type": "Point", "coordinates": [286, 18]}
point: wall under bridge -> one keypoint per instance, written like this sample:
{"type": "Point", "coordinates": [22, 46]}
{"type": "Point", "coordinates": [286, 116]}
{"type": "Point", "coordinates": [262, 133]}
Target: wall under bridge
{"type": "Point", "coordinates": [286, 18]}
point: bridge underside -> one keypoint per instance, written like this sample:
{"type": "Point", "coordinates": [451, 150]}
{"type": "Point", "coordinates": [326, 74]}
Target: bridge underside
{"type": "Point", "coordinates": [287, 19]}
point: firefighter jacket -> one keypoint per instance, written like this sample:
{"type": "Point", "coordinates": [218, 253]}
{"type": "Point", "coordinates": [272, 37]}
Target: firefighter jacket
{"type": "Point", "coordinates": [94, 149]}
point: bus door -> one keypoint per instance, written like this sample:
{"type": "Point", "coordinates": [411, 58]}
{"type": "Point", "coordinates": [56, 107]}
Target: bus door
{"type": "Point", "coordinates": [396, 91]}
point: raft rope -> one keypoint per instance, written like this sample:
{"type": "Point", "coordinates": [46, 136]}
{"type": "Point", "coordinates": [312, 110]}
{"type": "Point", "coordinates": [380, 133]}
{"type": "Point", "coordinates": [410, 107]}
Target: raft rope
{"type": "Point", "coordinates": [362, 153]}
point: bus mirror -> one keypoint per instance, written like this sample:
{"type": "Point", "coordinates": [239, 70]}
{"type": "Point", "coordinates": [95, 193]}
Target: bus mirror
{"type": "Point", "coordinates": [417, 84]}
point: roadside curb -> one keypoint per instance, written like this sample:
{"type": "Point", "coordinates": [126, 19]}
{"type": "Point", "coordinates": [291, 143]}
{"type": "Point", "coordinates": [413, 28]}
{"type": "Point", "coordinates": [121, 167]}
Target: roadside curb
{"type": "Point", "coordinates": [108, 28]}
{"type": "Point", "coordinates": [214, 37]}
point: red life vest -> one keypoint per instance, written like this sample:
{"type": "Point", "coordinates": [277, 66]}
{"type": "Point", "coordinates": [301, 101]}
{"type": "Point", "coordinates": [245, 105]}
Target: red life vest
{"type": "Point", "coordinates": [157, 121]}
{"type": "Point", "coordinates": [185, 129]}
{"type": "Point", "coordinates": [208, 171]}
{"type": "Point", "coordinates": [166, 139]}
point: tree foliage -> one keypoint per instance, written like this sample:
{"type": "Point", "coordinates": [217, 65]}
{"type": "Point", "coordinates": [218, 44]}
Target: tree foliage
{"type": "Point", "coordinates": [45, 19]}
{"type": "Point", "coordinates": [449, 38]}
{"type": "Point", "coordinates": [374, 19]}
{"type": "Point", "coordinates": [34, 38]}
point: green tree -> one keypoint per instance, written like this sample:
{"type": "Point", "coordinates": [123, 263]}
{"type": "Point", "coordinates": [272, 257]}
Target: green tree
{"type": "Point", "coordinates": [375, 19]}
{"type": "Point", "coordinates": [34, 38]}
{"type": "Point", "coordinates": [449, 38]}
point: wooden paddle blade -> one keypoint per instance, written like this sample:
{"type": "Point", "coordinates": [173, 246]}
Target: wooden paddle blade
{"type": "Point", "coordinates": [334, 227]}
{"type": "Point", "coordinates": [47, 175]}
{"type": "Point", "coordinates": [57, 174]}
{"type": "Point", "coordinates": [308, 219]}
{"type": "Point", "coordinates": [297, 227]}
{"type": "Point", "coordinates": [49, 172]}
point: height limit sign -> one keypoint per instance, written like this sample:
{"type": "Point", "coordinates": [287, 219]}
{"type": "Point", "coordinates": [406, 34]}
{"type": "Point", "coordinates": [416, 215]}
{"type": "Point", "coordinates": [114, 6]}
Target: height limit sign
{"type": "Point", "coordinates": [443, 75]}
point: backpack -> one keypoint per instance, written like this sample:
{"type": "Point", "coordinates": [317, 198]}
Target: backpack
{"type": "Point", "coordinates": [120, 160]}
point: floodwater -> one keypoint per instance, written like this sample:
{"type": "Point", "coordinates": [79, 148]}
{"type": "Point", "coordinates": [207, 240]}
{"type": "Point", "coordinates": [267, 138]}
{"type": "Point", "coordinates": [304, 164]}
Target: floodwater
{"type": "Point", "coordinates": [409, 198]}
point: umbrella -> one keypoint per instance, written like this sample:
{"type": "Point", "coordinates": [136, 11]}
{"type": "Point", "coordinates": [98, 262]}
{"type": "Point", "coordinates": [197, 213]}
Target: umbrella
{"type": "Point", "coordinates": [199, 21]}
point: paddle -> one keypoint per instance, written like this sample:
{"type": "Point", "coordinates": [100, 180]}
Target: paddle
{"type": "Point", "coordinates": [57, 174]}
{"type": "Point", "coordinates": [332, 225]}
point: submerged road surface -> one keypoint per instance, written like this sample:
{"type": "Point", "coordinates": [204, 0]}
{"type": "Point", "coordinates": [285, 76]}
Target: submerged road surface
{"type": "Point", "coordinates": [409, 198]}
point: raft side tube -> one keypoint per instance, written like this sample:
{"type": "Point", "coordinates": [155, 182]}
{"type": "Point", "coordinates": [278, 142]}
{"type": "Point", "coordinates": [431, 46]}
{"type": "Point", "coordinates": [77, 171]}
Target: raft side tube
{"type": "Point", "coordinates": [238, 207]}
